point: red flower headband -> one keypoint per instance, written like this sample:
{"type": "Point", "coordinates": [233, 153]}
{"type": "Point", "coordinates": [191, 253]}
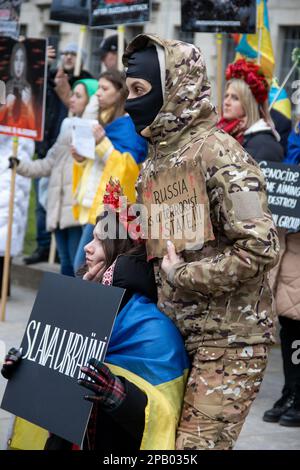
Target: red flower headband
{"type": "Point", "coordinates": [253, 75]}
{"type": "Point", "coordinates": [112, 198]}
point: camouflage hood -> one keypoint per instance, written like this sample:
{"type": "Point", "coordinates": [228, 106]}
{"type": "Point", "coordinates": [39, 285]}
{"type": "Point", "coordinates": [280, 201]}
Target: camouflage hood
{"type": "Point", "coordinates": [187, 112]}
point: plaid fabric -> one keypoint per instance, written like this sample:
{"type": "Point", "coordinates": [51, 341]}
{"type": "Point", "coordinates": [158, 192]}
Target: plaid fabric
{"type": "Point", "coordinates": [109, 389]}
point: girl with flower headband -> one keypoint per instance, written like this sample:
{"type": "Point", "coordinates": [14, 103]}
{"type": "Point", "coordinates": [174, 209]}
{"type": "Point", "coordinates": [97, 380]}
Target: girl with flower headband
{"type": "Point", "coordinates": [138, 392]}
{"type": "Point", "coordinates": [245, 111]}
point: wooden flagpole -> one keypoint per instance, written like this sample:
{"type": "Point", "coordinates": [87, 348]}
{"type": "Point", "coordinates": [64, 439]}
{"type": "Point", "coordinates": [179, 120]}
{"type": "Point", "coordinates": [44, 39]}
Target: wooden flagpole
{"type": "Point", "coordinates": [220, 71]}
{"type": "Point", "coordinates": [82, 34]}
{"type": "Point", "coordinates": [5, 278]}
{"type": "Point", "coordinates": [121, 34]}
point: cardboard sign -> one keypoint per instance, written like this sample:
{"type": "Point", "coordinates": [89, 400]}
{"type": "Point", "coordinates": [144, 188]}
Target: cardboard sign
{"type": "Point", "coordinates": [283, 188]}
{"type": "Point", "coordinates": [115, 12]}
{"type": "Point", "coordinates": [71, 322]}
{"type": "Point", "coordinates": [23, 69]}
{"type": "Point", "coordinates": [71, 11]}
{"type": "Point", "coordinates": [177, 209]}
{"type": "Point", "coordinates": [232, 16]}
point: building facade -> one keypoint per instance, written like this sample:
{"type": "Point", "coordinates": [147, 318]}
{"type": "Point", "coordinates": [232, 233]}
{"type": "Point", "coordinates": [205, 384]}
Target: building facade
{"type": "Point", "coordinates": [165, 21]}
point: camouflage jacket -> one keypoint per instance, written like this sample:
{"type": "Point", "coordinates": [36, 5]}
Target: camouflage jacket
{"type": "Point", "coordinates": [219, 295]}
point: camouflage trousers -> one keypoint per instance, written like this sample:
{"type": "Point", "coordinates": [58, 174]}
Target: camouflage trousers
{"type": "Point", "coordinates": [222, 385]}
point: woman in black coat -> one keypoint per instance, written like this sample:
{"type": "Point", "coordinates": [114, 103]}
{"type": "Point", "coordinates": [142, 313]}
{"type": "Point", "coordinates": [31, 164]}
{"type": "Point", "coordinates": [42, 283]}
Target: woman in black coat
{"type": "Point", "coordinates": [245, 112]}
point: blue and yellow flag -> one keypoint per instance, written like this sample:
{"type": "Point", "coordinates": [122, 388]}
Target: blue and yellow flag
{"type": "Point", "coordinates": [147, 349]}
{"type": "Point", "coordinates": [282, 102]}
{"type": "Point", "coordinates": [258, 47]}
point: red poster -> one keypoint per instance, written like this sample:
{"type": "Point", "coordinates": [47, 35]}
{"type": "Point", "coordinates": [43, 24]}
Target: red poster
{"type": "Point", "coordinates": [23, 67]}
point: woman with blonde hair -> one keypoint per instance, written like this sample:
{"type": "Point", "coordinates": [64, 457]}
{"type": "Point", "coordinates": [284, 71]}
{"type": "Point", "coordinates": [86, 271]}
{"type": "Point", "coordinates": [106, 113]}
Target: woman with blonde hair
{"type": "Point", "coordinates": [245, 111]}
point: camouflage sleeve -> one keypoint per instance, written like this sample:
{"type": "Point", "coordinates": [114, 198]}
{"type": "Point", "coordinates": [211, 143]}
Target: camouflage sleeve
{"type": "Point", "coordinates": [239, 212]}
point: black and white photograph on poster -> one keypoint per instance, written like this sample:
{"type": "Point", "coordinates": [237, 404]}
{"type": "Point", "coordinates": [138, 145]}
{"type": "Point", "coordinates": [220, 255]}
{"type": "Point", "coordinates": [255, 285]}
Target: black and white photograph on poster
{"type": "Point", "coordinates": [221, 16]}
{"type": "Point", "coordinates": [9, 17]}
{"type": "Point", "coordinates": [70, 323]}
{"type": "Point", "coordinates": [115, 12]}
{"type": "Point", "coordinates": [23, 69]}
{"type": "Point", "coordinates": [71, 11]}
{"type": "Point", "coordinates": [283, 188]}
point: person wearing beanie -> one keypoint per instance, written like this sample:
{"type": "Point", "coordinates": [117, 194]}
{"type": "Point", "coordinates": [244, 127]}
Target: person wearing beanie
{"type": "Point", "coordinates": [58, 91]}
{"type": "Point", "coordinates": [108, 50]}
{"type": "Point", "coordinates": [216, 288]}
{"type": "Point", "coordinates": [58, 165]}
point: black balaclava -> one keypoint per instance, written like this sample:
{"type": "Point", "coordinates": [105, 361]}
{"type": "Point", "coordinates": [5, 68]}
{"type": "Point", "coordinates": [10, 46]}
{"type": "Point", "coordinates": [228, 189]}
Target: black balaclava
{"type": "Point", "coordinates": [144, 109]}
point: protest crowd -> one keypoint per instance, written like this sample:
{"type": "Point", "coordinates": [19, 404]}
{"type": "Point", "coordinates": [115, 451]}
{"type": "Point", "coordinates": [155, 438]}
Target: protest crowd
{"type": "Point", "coordinates": [182, 211]}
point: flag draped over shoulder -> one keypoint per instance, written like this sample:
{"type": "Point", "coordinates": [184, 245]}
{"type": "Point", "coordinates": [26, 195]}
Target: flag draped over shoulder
{"type": "Point", "coordinates": [258, 47]}
{"type": "Point", "coordinates": [147, 349]}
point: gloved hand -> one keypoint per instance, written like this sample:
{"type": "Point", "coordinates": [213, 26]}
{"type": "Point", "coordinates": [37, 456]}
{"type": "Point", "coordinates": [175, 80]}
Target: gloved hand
{"type": "Point", "coordinates": [13, 161]}
{"type": "Point", "coordinates": [11, 362]}
{"type": "Point", "coordinates": [109, 389]}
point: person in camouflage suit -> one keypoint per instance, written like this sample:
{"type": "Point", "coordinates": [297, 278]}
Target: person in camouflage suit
{"type": "Point", "coordinates": [218, 296]}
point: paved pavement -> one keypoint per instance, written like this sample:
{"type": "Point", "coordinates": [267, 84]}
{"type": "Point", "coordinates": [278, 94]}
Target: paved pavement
{"type": "Point", "coordinates": [256, 434]}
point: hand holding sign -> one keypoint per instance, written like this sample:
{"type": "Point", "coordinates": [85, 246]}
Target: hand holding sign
{"type": "Point", "coordinates": [51, 54]}
{"type": "Point", "coordinates": [108, 388]}
{"type": "Point", "coordinates": [12, 360]}
{"type": "Point", "coordinates": [63, 89]}
{"type": "Point", "coordinates": [76, 156]}
{"type": "Point", "coordinates": [99, 133]}
{"type": "Point", "coordinates": [171, 259]}
{"type": "Point", "coordinates": [64, 331]}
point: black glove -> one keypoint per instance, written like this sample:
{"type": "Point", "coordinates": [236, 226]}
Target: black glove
{"type": "Point", "coordinates": [11, 362]}
{"type": "Point", "coordinates": [109, 389]}
{"type": "Point", "coordinates": [13, 161]}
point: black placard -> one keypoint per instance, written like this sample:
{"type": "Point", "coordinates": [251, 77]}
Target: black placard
{"type": "Point", "coordinates": [115, 12]}
{"type": "Point", "coordinates": [71, 322]}
{"type": "Point", "coordinates": [233, 16]}
{"type": "Point", "coordinates": [283, 188]}
{"type": "Point", "coordinates": [71, 11]}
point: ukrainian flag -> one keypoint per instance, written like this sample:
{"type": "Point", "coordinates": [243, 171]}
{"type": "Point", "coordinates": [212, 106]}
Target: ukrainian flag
{"type": "Point", "coordinates": [147, 349]}
{"type": "Point", "coordinates": [249, 45]}
{"type": "Point", "coordinates": [282, 102]}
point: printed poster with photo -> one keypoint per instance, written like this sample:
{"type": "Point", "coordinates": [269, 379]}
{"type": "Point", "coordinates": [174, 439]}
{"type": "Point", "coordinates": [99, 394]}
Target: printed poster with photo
{"type": "Point", "coordinates": [9, 17]}
{"type": "Point", "coordinates": [23, 69]}
{"type": "Point", "coordinates": [71, 11]}
{"type": "Point", "coordinates": [220, 16]}
{"type": "Point", "coordinates": [115, 12]}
